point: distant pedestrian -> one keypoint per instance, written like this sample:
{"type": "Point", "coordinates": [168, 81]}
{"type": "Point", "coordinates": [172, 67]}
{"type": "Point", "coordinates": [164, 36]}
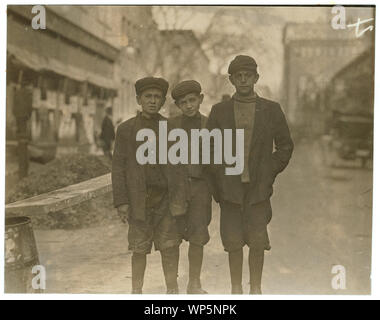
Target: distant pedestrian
{"type": "Point", "coordinates": [22, 111]}
{"type": "Point", "coordinates": [108, 133]}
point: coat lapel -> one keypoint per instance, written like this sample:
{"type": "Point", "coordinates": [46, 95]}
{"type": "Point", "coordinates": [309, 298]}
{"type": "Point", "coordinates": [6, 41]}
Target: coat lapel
{"type": "Point", "coordinates": [137, 127]}
{"type": "Point", "coordinates": [260, 121]}
{"type": "Point", "coordinates": [203, 121]}
{"type": "Point", "coordinates": [230, 116]}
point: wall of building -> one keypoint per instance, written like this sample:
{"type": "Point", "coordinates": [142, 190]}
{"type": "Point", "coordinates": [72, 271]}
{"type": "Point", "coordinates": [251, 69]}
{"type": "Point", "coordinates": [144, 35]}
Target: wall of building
{"type": "Point", "coordinates": [132, 28]}
{"type": "Point", "coordinates": [69, 70]}
{"type": "Point", "coordinates": [313, 55]}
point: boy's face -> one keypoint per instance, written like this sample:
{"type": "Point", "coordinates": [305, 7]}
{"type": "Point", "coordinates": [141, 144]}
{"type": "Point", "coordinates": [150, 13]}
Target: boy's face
{"type": "Point", "coordinates": [190, 104]}
{"type": "Point", "coordinates": [244, 81]}
{"type": "Point", "coordinates": [151, 101]}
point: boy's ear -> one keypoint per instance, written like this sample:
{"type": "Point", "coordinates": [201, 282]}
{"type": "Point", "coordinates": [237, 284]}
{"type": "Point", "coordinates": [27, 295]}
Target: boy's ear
{"type": "Point", "coordinates": [231, 79]}
{"type": "Point", "coordinates": [201, 97]}
{"type": "Point", "coordinates": [257, 78]}
{"type": "Point", "coordinates": [138, 100]}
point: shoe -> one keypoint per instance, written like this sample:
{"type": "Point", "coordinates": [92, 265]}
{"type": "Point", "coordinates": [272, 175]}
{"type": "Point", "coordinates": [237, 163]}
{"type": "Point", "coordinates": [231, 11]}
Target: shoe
{"type": "Point", "coordinates": [136, 291]}
{"type": "Point", "coordinates": [256, 291]}
{"type": "Point", "coordinates": [172, 291]}
{"type": "Point", "coordinates": [237, 289]}
{"type": "Point", "coordinates": [195, 287]}
{"type": "Point", "coordinates": [195, 290]}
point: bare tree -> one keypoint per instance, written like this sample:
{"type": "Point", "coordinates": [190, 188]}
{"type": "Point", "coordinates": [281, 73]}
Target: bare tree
{"type": "Point", "coordinates": [218, 41]}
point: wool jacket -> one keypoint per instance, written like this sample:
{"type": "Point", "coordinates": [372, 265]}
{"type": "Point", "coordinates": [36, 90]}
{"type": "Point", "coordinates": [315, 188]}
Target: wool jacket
{"type": "Point", "coordinates": [270, 128]}
{"type": "Point", "coordinates": [128, 176]}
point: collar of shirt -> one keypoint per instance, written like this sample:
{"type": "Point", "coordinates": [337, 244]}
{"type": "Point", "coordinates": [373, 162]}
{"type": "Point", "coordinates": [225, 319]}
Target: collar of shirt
{"type": "Point", "coordinates": [245, 99]}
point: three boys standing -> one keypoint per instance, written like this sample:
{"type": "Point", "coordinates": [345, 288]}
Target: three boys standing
{"type": "Point", "coordinates": [165, 204]}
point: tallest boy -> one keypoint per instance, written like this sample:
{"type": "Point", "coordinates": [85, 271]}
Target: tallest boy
{"type": "Point", "coordinates": [245, 199]}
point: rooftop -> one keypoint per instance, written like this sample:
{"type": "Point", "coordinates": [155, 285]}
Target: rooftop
{"type": "Point", "coordinates": [316, 31]}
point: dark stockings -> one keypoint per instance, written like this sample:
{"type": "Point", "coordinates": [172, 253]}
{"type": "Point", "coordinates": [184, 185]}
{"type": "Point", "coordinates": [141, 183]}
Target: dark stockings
{"type": "Point", "coordinates": [195, 265]}
{"type": "Point", "coordinates": [170, 261]}
{"type": "Point", "coordinates": [256, 264]}
{"type": "Point", "coordinates": [236, 270]}
{"type": "Point", "coordinates": [138, 272]}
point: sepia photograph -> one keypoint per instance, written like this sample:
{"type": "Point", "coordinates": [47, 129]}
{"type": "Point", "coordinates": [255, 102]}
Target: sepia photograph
{"type": "Point", "coordinates": [189, 150]}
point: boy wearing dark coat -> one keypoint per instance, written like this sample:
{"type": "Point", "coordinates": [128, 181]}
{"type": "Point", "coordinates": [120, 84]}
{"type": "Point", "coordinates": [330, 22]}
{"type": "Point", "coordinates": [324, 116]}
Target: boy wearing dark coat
{"type": "Point", "coordinates": [245, 199]}
{"type": "Point", "coordinates": [189, 194]}
{"type": "Point", "coordinates": [140, 192]}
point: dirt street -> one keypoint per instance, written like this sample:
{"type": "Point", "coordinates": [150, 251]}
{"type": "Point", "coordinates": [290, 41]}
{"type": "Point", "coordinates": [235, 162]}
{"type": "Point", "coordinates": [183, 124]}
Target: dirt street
{"type": "Point", "coordinates": [321, 218]}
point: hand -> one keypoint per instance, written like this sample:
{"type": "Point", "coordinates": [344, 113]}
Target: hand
{"type": "Point", "coordinates": [123, 212]}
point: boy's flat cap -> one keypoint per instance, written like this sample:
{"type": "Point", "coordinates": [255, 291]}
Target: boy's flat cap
{"type": "Point", "coordinates": [242, 63]}
{"type": "Point", "coordinates": [185, 87]}
{"type": "Point", "coordinates": [151, 82]}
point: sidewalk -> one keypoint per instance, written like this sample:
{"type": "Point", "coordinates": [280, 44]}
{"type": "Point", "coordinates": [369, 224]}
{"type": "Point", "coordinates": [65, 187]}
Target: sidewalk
{"type": "Point", "coordinates": [93, 260]}
{"type": "Point", "coordinates": [97, 260]}
{"type": "Point", "coordinates": [321, 218]}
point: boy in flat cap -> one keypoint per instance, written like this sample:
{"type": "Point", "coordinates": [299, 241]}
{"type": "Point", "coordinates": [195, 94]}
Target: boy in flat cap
{"type": "Point", "coordinates": [190, 198]}
{"type": "Point", "coordinates": [140, 192]}
{"type": "Point", "coordinates": [245, 199]}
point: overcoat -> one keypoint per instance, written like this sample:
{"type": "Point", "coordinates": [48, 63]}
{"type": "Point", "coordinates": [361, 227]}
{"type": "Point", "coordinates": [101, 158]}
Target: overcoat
{"type": "Point", "coordinates": [128, 176]}
{"type": "Point", "coordinates": [265, 162]}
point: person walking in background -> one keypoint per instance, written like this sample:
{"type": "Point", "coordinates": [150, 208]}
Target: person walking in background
{"type": "Point", "coordinates": [245, 199]}
{"type": "Point", "coordinates": [190, 198]}
{"type": "Point", "coordinates": [22, 111]}
{"type": "Point", "coordinates": [107, 134]}
{"type": "Point", "coordinates": [140, 192]}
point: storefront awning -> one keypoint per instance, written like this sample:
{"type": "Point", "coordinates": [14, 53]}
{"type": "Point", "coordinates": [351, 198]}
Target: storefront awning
{"type": "Point", "coordinates": [42, 63]}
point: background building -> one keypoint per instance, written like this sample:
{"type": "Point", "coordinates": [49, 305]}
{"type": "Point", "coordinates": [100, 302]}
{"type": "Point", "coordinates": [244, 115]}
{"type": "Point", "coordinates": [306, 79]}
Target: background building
{"type": "Point", "coordinates": [133, 30]}
{"type": "Point", "coordinates": [313, 54]}
{"type": "Point", "coordinates": [69, 70]}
